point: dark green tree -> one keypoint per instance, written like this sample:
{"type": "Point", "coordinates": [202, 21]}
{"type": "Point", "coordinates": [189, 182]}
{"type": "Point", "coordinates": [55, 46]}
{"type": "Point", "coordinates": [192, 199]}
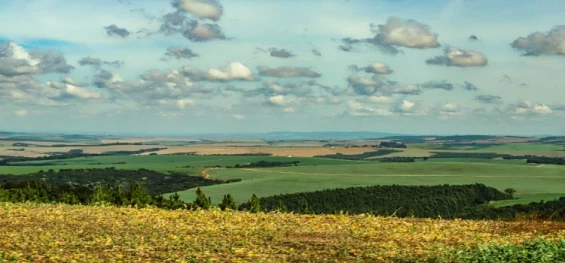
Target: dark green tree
{"type": "Point", "coordinates": [201, 200]}
{"type": "Point", "coordinates": [510, 191]}
{"type": "Point", "coordinates": [255, 206]}
{"type": "Point", "coordinates": [227, 203]}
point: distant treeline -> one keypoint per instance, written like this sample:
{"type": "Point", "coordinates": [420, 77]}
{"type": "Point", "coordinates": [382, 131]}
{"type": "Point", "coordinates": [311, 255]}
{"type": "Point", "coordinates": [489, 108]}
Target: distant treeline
{"type": "Point", "coordinates": [264, 164]}
{"type": "Point", "coordinates": [243, 154]}
{"type": "Point", "coordinates": [358, 156]}
{"type": "Point", "coordinates": [22, 144]}
{"type": "Point", "coordinates": [396, 159]}
{"type": "Point", "coordinates": [392, 145]}
{"type": "Point", "coordinates": [75, 153]}
{"type": "Point", "coordinates": [529, 158]}
{"type": "Point", "coordinates": [154, 182]}
{"type": "Point", "coordinates": [447, 201]}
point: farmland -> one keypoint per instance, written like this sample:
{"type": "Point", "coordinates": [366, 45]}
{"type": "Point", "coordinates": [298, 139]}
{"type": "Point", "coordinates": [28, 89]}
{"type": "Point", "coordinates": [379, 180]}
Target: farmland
{"type": "Point", "coordinates": [532, 182]}
{"type": "Point", "coordinates": [65, 233]}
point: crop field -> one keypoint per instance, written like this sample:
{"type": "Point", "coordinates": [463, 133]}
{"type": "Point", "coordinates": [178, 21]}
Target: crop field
{"type": "Point", "coordinates": [532, 182]}
{"type": "Point", "coordinates": [61, 233]}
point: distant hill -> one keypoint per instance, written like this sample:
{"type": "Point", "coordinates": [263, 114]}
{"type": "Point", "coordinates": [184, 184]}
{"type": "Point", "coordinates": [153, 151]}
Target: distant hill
{"type": "Point", "coordinates": [287, 135]}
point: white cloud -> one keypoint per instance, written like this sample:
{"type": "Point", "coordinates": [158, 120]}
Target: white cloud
{"type": "Point", "coordinates": [202, 9]}
{"type": "Point", "coordinates": [289, 109]}
{"type": "Point", "coordinates": [277, 100]}
{"type": "Point", "coordinates": [355, 108]}
{"type": "Point", "coordinates": [183, 103]}
{"type": "Point", "coordinates": [233, 71]}
{"type": "Point", "coordinates": [20, 113]}
{"type": "Point", "coordinates": [238, 116]}
{"type": "Point", "coordinates": [379, 68]}
{"type": "Point", "coordinates": [459, 58]}
{"type": "Point", "coordinates": [376, 99]}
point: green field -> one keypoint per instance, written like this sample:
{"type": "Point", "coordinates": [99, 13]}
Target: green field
{"type": "Point", "coordinates": [491, 147]}
{"type": "Point", "coordinates": [532, 182]}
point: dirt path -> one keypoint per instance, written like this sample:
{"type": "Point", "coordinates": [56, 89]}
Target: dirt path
{"type": "Point", "coordinates": [205, 173]}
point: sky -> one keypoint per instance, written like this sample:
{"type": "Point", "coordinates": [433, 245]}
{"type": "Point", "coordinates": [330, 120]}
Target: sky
{"type": "Point", "coordinates": [207, 66]}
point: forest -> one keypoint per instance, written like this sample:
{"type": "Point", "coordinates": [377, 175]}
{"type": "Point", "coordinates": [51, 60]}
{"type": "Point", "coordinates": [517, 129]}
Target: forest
{"type": "Point", "coordinates": [154, 182]}
{"type": "Point", "coordinates": [446, 201]}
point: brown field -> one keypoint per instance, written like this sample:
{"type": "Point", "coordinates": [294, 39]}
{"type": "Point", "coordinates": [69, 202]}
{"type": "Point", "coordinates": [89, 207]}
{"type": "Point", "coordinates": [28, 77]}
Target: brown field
{"type": "Point", "coordinates": [277, 151]}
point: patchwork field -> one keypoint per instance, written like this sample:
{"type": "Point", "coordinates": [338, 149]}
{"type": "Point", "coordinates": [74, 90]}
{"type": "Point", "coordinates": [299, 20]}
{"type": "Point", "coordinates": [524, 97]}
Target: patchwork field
{"type": "Point", "coordinates": [532, 182]}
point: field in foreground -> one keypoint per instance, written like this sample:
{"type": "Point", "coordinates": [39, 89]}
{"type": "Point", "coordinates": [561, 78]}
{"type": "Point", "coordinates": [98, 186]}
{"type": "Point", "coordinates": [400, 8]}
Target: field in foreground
{"type": "Point", "coordinates": [62, 233]}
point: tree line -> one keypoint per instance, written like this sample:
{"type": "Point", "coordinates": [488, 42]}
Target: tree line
{"type": "Point", "coordinates": [264, 164]}
{"type": "Point", "coordinates": [154, 182]}
{"type": "Point", "coordinates": [361, 156]}
{"type": "Point", "coordinates": [447, 201]}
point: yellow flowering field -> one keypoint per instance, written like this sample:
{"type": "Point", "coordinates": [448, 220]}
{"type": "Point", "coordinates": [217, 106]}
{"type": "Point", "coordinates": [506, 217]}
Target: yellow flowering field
{"type": "Point", "coordinates": [63, 233]}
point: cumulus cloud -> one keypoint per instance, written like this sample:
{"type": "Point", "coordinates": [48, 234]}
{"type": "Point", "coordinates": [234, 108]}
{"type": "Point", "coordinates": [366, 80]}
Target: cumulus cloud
{"type": "Point", "coordinates": [459, 58]}
{"type": "Point", "coordinates": [288, 72]}
{"type": "Point", "coordinates": [449, 109]}
{"type": "Point", "coordinates": [271, 88]}
{"type": "Point", "coordinates": [230, 72]}
{"type": "Point", "coordinates": [489, 99]}
{"type": "Point", "coordinates": [97, 63]}
{"type": "Point", "coordinates": [201, 9]}
{"type": "Point", "coordinates": [527, 108]}
{"type": "Point", "coordinates": [178, 53]}
{"type": "Point", "coordinates": [277, 100]}
{"type": "Point", "coordinates": [316, 52]}
{"type": "Point", "coordinates": [15, 60]}
{"type": "Point", "coordinates": [356, 108]}
{"type": "Point", "coordinates": [238, 116]}
{"type": "Point", "coordinates": [549, 43]}
{"type": "Point", "coordinates": [289, 110]}
{"type": "Point", "coordinates": [68, 90]}
{"type": "Point", "coordinates": [375, 68]}
{"type": "Point", "coordinates": [470, 86]}
{"type": "Point", "coordinates": [362, 85]}
{"type": "Point", "coordinates": [397, 32]}
{"type": "Point", "coordinates": [179, 23]}
{"type": "Point", "coordinates": [406, 107]}
{"type": "Point", "coordinates": [204, 32]}
{"type": "Point", "coordinates": [170, 88]}
{"type": "Point", "coordinates": [20, 113]}
{"type": "Point", "coordinates": [377, 99]}
{"type": "Point", "coordinates": [438, 85]}
{"type": "Point", "coordinates": [183, 103]}
{"type": "Point", "coordinates": [113, 30]}
{"type": "Point", "coordinates": [280, 53]}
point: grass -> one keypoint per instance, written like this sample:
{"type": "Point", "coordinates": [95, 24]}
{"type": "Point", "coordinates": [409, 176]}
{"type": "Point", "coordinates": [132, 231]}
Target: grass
{"type": "Point", "coordinates": [491, 147]}
{"type": "Point", "coordinates": [533, 182]}
{"type": "Point", "coordinates": [62, 233]}
{"type": "Point", "coordinates": [530, 181]}
{"type": "Point", "coordinates": [161, 163]}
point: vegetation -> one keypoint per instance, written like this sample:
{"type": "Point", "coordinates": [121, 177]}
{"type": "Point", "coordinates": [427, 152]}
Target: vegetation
{"type": "Point", "coordinates": [396, 160]}
{"type": "Point", "coordinates": [358, 156]}
{"type": "Point", "coordinates": [71, 154]}
{"type": "Point", "coordinates": [264, 164]}
{"type": "Point", "coordinates": [392, 145]}
{"type": "Point", "coordinates": [154, 182]}
{"type": "Point", "coordinates": [63, 233]}
{"type": "Point", "coordinates": [417, 201]}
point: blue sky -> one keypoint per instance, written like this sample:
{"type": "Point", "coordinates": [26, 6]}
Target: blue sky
{"type": "Point", "coordinates": [193, 66]}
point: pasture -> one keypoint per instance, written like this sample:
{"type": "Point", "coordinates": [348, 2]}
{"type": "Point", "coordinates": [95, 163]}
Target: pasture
{"type": "Point", "coordinates": [532, 182]}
